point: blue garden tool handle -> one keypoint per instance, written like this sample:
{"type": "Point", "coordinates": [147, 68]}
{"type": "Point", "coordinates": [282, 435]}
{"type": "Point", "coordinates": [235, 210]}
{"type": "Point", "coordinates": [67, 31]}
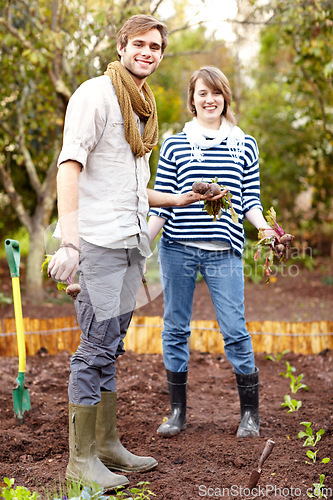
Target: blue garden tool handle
{"type": "Point", "coordinates": [12, 248]}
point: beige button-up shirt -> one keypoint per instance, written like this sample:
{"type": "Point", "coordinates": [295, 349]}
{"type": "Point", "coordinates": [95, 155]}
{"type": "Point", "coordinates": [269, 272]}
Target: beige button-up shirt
{"type": "Point", "coordinates": [113, 201]}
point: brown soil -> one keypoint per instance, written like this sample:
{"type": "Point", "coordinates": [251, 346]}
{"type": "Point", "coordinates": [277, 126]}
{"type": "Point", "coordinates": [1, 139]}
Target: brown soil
{"type": "Point", "coordinates": [207, 457]}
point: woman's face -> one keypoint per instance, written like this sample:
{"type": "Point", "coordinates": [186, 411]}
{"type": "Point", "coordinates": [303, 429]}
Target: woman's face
{"type": "Point", "coordinates": [209, 104]}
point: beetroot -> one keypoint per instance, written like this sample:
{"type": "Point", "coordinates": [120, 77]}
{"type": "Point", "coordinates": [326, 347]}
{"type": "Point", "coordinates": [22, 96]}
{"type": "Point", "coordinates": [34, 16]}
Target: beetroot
{"type": "Point", "coordinates": [215, 207]}
{"type": "Point", "coordinates": [73, 290]}
{"type": "Point", "coordinates": [200, 187]}
{"type": "Point", "coordinates": [214, 189]}
{"type": "Point", "coordinates": [286, 239]}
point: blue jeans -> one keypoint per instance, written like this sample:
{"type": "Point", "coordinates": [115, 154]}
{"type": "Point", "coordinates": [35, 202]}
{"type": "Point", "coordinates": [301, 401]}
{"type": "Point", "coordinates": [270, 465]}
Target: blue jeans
{"type": "Point", "coordinates": [223, 273]}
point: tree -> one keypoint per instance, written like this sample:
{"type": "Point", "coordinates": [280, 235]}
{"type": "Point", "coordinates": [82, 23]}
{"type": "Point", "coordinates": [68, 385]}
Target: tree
{"type": "Point", "coordinates": [292, 115]}
{"type": "Point", "coordinates": [47, 49]}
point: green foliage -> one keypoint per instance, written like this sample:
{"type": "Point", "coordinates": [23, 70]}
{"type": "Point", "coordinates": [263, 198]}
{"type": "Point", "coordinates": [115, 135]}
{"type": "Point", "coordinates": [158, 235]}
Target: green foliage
{"type": "Point", "coordinates": [295, 383]}
{"type": "Point", "coordinates": [312, 455]}
{"type": "Point", "coordinates": [292, 404]}
{"type": "Point", "coordinates": [8, 492]}
{"type": "Point", "coordinates": [311, 439]}
{"type": "Point", "coordinates": [277, 356]}
{"type": "Point", "coordinates": [318, 489]}
{"type": "Point", "coordinates": [289, 108]}
{"type": "Point", "coordinates": [74, 491]}
{"type": "Point", "coordinates": [290, 369]}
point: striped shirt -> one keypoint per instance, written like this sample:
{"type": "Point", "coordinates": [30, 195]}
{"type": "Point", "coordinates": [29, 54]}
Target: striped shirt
{"type": "Point", "coordinates": [178, 169]}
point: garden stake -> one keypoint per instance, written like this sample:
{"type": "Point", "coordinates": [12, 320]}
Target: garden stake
{"type": "Point", "coordinates": [256, 473]}
{"type": "Point", "coordinates": [21, 398]}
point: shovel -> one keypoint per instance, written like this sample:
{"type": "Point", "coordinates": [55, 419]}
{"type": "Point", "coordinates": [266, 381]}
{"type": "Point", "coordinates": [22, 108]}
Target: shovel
{"type": "Point", "coordinates": [20, 393]}
{"type": "Point", "coordinates": [256, 473]}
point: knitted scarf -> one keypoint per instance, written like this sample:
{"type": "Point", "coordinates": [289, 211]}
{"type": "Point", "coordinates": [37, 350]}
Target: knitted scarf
{"type": "Point", "coordinates": [130, 99]}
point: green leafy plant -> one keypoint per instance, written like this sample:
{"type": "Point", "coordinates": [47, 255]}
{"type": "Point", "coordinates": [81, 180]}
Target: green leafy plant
{"type": "Point", "coordinates": [277, 356]}
{"type": "Point", "coordinates": [290, 369]}
{"type": "Point", "coordinates": [295, 382]}
{"type": "Point", "coordinates": [73, 491]}
{"type": "Point", "coordinates": [311, 438]}
{"type": "Point", "coordinates": [292, 404]}
{"type": "Point", "coordinates": [8, 492]}
{"type": "Point", "coordinates": [318, 489]}
{"type": "Point", "coordinates": [312, 455]}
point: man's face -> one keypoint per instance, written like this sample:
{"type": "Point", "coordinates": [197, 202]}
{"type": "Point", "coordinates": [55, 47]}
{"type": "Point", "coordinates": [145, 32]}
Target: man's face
{"type": "Point", "coordinates": [142, 55]}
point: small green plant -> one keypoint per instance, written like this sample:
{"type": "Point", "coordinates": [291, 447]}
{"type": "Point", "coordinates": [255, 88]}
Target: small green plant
{"type": "Point", "coordinates": [311, 439]}
{"type": "Point", "coordinates": [73, 491]}
{"type": "Point", "coordinates": [292, 404]}
{"type": "Point", "coordinates": [318, 489]}
{"type": "Point", "coordinates": [8, 492]}
{"type": "Point", "coordinates": [277, 356]}
{"type": "Point", "coordinates": [295, 382]}
{"type": "Point", "coordinates": [289, 371]}
{"type": "Point", "coordinates": [312, 455]}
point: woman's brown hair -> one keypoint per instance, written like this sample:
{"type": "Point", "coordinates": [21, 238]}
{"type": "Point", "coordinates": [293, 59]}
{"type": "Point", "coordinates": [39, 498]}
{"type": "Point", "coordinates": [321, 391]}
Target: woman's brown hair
{"type": "Point", "coordinates": [216, 80]}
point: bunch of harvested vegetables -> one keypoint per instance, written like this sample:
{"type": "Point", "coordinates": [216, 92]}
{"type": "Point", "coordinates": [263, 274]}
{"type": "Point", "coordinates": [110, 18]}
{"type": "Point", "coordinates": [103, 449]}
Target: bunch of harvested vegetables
{"type": "Point", "coordinates": [215, 207]}
{"type": "Point", "coordinates": [273, 245]}
{"type": "Point", "coordinates": [72, 289]}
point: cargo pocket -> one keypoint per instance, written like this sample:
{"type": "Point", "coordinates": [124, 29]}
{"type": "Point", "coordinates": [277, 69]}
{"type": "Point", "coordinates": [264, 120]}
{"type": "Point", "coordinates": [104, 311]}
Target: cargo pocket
{"type": "Point", "coordinates": [92, 330]}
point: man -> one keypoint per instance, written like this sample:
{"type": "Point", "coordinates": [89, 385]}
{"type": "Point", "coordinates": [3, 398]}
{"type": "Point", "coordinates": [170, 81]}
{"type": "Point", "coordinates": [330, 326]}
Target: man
{"type": "Point", "coordinates": [110, 130]}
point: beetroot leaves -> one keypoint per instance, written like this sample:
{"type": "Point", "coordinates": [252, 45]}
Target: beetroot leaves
{"type": "Point", "coordinates": [274, 246]}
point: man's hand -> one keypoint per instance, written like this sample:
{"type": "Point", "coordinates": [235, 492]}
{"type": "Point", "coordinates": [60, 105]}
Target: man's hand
{"type": "Point", "coordinates": [63, 264]}
{"type": "Point", "coordinates": [191, 197]}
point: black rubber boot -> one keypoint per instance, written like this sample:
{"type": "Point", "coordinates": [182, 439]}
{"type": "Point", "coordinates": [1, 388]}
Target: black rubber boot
{"type": "Point", "coordinates": [248, 390]}
{"type": "Point", "coordinates": [177, 385]}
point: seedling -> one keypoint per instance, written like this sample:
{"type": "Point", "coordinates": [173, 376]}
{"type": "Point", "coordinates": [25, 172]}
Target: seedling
{"type": "Point", "coordinates": [289, 370]}
{"type": "Point", "coordinates": [295, 383]}
{"type": "Point", "coordinates": [318, 489]}
{"type": "Point", "coordinates": [312, 455]}
{"type": "Point", "coordinates": [311, 439]}
{"type": "Point", "coordinates": [277, 356]}
{"type": "Point", "coordinates": [292, 404]}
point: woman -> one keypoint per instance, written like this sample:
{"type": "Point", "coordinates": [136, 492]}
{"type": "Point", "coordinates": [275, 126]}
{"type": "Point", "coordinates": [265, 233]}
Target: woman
{"type": "Point", "coordinates": [210, 146]}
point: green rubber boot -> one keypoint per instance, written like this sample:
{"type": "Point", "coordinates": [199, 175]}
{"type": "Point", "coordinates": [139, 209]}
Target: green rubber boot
{"type": "Point", "coordinates": [248, 390]}
{"type": "Point", "coordinates": [84, 466]}
{"type": "Point", "coordinates": [109, 449]}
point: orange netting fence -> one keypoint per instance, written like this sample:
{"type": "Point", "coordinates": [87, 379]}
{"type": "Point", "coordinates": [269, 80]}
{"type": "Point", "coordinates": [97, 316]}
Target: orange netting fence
{"type": "Point", "coordinates": [144, 336]}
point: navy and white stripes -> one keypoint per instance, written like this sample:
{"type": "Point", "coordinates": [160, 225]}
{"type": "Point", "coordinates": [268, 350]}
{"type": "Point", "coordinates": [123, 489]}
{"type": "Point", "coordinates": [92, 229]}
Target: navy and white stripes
{"type": "Point", "coordinates": [178, 169]}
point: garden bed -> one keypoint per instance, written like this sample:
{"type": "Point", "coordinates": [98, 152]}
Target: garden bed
{"type": "Point", "coordinates": [205, 458]}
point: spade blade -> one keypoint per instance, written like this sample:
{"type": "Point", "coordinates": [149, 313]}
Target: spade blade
{"type": "Point", "coordinates": [256, 473]}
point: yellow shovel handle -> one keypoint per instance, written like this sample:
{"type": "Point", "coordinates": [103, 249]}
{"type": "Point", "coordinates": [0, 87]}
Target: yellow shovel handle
{"type": "Point", "coordinates": [19, 323]}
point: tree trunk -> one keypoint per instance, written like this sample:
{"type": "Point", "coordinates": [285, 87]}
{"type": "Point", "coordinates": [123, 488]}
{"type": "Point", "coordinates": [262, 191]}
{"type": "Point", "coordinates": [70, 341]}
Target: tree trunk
{"type": "Point", "coordinates": [34, 277]}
